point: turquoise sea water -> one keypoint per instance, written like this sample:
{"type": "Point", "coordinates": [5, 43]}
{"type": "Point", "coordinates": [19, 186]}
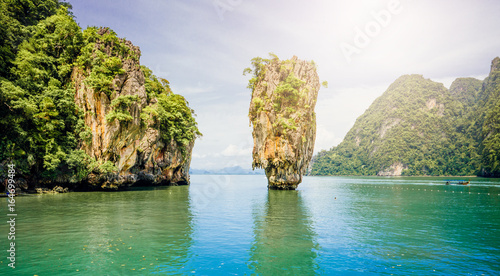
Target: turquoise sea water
{"type": "Point", "coordinates": [232, 225]}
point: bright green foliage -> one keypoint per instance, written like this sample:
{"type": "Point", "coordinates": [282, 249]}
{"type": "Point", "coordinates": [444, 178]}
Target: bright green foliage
{"type": "Point", "coordinates": [39, 117]}
{"type": "Point", "coordinates": [120, 106]}
{"type": "Point", "coordinates": [16, 18]}
{"type": "Point", "coordinates": [148, 114]}
{"type": "Point", "coordinates": [460, 138]}
{"type": "Point", "coordinates": [259, 103]}
{"type": "Point", "coordinates": [170, 114]}
{"type": "Point", "coordinates": [102, 57]}
{"type": "Point", "coordinates": [489, 108]}
{"type": "Point", "coordinates": [466, 91]}
{"type": "Point", "coordinates": [288, 98]}
{"type": "Point", "coordinates": [415, 123]}
{"type": "Point", "coordinates": [287, 92]}
{"type": "Point", "coordinates": [175, 119]}
{"type": "Point", "coordinates": [258, 65]}
{"type": "Point", "coordinates": [108, 167]}
{"type": "Point", "coordinates": [154, 87]}
{"type": "Point", "coordinates": [82, 165]}
{"type": "Point", "coordinates": [47, 57]}
{"type": "Point", "coordinates": [285, 123]}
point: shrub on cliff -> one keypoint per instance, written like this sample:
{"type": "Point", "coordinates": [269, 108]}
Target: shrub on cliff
{"type": "Point", "coordinates": [170, 114]}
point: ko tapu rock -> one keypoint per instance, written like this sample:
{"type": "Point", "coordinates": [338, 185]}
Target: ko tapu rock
{"type": "Point", "coordinates": [284, 94]}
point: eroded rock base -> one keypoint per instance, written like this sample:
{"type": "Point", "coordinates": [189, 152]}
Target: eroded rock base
{"type": "Point", "coordinates": [282, 179]}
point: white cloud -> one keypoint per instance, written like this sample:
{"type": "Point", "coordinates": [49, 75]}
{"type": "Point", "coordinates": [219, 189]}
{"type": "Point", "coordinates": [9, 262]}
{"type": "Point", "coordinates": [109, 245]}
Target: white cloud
{"type": "Point", "coordinates": [198, 156]}
{"type": "Point", "coordinates": [189, 90]}
{"type": "Point", "coordinates": [233, 150]}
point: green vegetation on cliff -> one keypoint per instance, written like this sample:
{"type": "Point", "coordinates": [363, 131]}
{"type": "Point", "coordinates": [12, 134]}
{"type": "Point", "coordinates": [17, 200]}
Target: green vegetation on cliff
{"type": "Point", "coordinates": [289, 94]}
{"type": "Point", "coordinates": [40, 120]}
{"type": "Point", "coordinates": [42, 128]}
{"type": "Point", "coordinates": [489, 111]}
{"type": "Point", "coordinates": [418, 127]}
{"type": "Point", "coordinates": [171, 114]}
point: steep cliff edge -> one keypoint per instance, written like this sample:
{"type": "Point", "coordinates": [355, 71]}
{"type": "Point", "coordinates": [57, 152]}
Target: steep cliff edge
{"type": "Point", "coordinates": [281, 111]}
{"type": "Point", "coordinates": [120, 116]}
{"type": "Point", "coordinates": [80, 112]}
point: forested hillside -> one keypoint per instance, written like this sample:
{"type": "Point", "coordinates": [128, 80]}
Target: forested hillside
{"type": "Point", "coordinates": [418, 127]}
{"type": "Point", "coordinates": [52, 134]}
{"type": "Point", "coordinates": [488, 117]}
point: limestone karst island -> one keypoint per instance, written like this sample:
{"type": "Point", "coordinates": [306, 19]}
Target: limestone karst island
{"type": "Point", "coordinates": [284, 94]}
{"type": "Point", "coordinates": [80, 112]}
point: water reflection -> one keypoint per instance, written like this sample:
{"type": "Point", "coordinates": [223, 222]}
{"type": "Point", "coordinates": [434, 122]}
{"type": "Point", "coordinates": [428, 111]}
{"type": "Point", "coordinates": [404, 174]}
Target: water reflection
{"type": "Point", "coordinates": [284, 238]}
{"type": "Point", "coordinates": [122, 232]}
{"type": "Point", "coordinates": [173, 230]}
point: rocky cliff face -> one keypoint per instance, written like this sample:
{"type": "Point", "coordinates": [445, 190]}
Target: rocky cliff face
{"type": "Point", "coordinates": [133, 146]}
{"type": "Point", "coordinates": [284, 123]}
{"type": "Point", "coordinates": [395, 169]}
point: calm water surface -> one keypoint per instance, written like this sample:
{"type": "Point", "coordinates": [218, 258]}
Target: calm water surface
{"type": "Point", "coordinates": [232, 225]}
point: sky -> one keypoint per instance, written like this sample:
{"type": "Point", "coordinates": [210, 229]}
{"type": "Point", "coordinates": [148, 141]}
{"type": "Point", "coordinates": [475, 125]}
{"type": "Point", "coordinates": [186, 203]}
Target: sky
{"type": "Point", "coordinates": [359, 46]}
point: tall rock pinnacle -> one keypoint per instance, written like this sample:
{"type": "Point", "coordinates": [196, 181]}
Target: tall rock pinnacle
{"type": "Point", "coordinates": [284, 94]}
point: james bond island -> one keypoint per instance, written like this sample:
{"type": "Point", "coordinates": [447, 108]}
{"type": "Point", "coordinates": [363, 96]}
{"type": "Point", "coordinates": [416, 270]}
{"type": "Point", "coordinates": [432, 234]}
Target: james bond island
{"type": "Point", "coordinates": [284, 94]}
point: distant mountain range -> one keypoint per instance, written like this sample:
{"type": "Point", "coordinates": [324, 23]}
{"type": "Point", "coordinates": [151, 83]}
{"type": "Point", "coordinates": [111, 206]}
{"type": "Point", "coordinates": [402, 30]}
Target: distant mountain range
{"type": "Point", "coordinates": [229, 170]}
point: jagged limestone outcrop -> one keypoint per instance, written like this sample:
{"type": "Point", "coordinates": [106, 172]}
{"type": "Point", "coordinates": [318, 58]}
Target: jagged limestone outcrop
{"type": "Point", "coordinates": [281, 111]}
{"type": "Point", "coordinates": [79, 111]}
{"type": "Point", "coordinates": [123, 131]}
